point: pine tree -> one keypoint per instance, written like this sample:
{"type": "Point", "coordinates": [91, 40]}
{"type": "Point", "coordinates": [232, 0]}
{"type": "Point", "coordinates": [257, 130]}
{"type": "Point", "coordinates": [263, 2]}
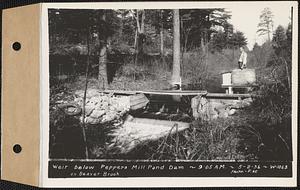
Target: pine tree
{"type": "Point", "coordinates": [279, 39]}
{"type": "Point", "coordinates": [266, 23]}
{"type": "Point", "coordinates": [238, 39]}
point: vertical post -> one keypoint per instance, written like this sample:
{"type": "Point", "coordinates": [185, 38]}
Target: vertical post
{"type": "Point", "coordinates": [176, 49]}
{"type": "Point", "coordinates": [230, 91]}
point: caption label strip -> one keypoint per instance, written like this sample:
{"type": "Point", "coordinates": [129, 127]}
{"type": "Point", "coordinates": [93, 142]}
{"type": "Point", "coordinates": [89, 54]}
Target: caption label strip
{"type": "Point", "coordinates": [92, 169]}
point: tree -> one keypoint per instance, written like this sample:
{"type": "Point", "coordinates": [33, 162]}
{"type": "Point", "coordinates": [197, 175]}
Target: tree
{"type": "Point", "coordinates": [103, 24]}
{"type": "Point", "coordinates": [176, 47]}
{"type": "Point", "coordinates": [199, 24]}
{"type": "Point", "coordinates": [266, 23]}
{"type": "Point", "coordinates": [228, 31]}
{"type": "Point", "coordinates": [69, 30]}
{"type": "Point", "coordinates": [282, 45]}
{"type": "Point", "coordinates": [238, 39]}
{"type": "Point", "coordinates": [279, 39]}
{"type": "Point", "coordinates": [102, 73]}
{"type": "Point", "coordinates": [161, 35]}
{"type": "Point", "coordinates": [218, 41]}
{"type": "Point", "coordinates": [140, 33]}
{"type": "Point", "coordinates": [222, 40]}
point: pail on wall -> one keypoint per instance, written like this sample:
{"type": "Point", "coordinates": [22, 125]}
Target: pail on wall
{"type": "Point", "coordinates": [226, 78]}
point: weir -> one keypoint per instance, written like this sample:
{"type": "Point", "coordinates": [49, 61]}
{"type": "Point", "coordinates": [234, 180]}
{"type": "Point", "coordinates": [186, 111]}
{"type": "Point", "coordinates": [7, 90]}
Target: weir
{"type": "Point", "coordinates": [148, 115]}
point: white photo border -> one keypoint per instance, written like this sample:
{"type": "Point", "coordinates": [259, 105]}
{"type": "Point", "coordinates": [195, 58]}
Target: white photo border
{"type": "Point", "coordinates": [159, 181]}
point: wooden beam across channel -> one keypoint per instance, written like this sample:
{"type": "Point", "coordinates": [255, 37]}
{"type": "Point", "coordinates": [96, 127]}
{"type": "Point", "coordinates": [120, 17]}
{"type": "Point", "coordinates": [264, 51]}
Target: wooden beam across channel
{"type": "Point", "coordinates": [160, 92]}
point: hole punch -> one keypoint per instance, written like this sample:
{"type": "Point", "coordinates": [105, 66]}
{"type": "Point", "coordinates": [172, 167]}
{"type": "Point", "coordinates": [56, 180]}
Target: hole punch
{"type": "Point", "coordinates": [17, 148]}
{"type": "Point", "coordinates": [16, 46]}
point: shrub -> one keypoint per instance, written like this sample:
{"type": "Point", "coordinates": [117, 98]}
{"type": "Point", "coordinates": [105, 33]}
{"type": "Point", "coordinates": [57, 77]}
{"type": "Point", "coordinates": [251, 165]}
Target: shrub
{"type": "Point", "coordinates": [133, 71]}
{"type": "Point", "coordinates": [202, 141]}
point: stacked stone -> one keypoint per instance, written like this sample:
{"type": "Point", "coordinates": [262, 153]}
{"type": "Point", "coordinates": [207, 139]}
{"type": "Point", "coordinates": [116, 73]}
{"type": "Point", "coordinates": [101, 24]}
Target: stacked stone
{"type": "Point", "coordinates": [102, 108]}
{"type": "Point", "coordinates": [208, 109]}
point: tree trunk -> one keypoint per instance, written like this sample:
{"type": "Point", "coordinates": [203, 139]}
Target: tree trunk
{"type": "Point", "coordinates": [202, 43]}
{"type": "Point", "coordinates": [138, 21]}
{"type": "Point", "coordinates": [161, 42]}
{"type": "Point", "coordinates": [136, 48]}
{"type": "Point", "coordinates": [143, 22]}
{"type": "Point", "coordinates": [102, 73]}
{"type": "Point", "coordinates": [102, 76]}
{"type": "Point", "coordinates": [162, 36]}
{"type": "Point", "coordinates": [176, 48]}
{"type": "Point", "coordinates": [140, 34]}
{"type": "Point", "coordinates": [135, 39]}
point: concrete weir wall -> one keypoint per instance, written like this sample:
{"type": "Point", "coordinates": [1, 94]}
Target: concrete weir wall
{"type": "Point", "coordinates": [211, 108]}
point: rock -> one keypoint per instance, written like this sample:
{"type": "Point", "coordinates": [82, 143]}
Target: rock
{"type": "Point", "coordinates": [129, 118]}
{"type": "Point", "coordinates": [247, 101]}
{"type": "Point", "coordinates": [208, 109]}
{"type": "Point", "coordinates": [102, 108]}
{"type": "Point", "coordinates": [211, 114]}
{"type": "Point", "coordinates": [89, 109]}
{"type": "Point", "coordinates": [243, 103]}
{"type": "Point", "coordinates": [109, 117]}
{"type": "Point", "coordinates": [223, 114]}
{"type": "Point", "coordinates": [231, 111]}
{"type": "Point", "coordinates": [194, 105]}
{"type": "Point", "coordinates": [78, 101]}
{"type": "Point", "coordinates": [200, 107]}
{"type": "Point", "coordinates": [97, 114]}
{"type": "Point", "coordinates": [94, 100]}
{"type": "Point", "coordinates": [217, 105]}
{"type": "Point", "coordinates": [92, 121]}
{"type": "Point", "coordinates": [104, 105]}
{"type": "Point", "coordinates": [138, 101]}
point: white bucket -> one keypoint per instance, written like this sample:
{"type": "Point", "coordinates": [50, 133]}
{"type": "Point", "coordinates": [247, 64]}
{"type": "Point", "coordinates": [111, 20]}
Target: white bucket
{"type": "Point", "coordinates": [226, 78]}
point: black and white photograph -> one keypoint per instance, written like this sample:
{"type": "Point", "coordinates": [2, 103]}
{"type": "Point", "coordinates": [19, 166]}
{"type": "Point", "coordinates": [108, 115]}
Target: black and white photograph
{"type": "Point", "coordinates": [182, 85]}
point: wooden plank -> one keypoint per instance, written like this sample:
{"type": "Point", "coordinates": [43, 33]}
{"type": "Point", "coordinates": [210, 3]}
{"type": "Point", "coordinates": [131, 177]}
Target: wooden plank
{"type": "Point", "coordinates": [239, 86]}
{"type": "Point", "coordinates": [182, 93]}
{"type": "Point", "coordinates": [120, 92]}
{"type": "Point", "coordinates": [175, 92]}
{"type": "Point", "coordinates": [222, 95]}
{"type": "Point", "coordinates": [160, 92]}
